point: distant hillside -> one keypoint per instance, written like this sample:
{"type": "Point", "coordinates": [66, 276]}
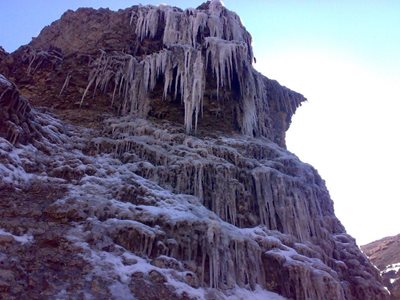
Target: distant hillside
{"type": "Point", "coordinates": [385, 255]}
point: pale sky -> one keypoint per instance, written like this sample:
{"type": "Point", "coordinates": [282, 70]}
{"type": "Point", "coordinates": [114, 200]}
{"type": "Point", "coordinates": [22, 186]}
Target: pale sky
{"type": "Point", "coordinates": [343, 56]}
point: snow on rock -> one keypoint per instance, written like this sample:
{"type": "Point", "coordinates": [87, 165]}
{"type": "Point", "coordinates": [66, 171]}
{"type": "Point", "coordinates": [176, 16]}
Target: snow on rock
{"type": "Point", "coordinates": [184, 237]}
{"type": "Point", "coordinates": [23, 239]}
{"type": "Point", "coordinates": [151, 206]}
{"type": "Point", "coordinates": [392, 267]}
{"type": "Point", "coordinates": [11, 170]}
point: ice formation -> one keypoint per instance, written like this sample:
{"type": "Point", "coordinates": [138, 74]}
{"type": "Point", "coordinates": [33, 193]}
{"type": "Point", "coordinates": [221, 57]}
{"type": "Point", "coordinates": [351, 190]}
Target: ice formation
{"type": "Point", "coordinates": [38, 58]}
{"type": "Point", "coordinates": [130, 206]}
{"type": "Point", "coordinates": [138, 219]}
{"type": "Point", "coordinates": [197, 45]}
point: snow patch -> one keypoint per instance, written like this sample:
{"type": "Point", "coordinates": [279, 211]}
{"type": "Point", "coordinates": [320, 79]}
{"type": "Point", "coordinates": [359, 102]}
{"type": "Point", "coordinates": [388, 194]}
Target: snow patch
{"type": "Point", "coordinates": [257, 294]}
{"type": "Point", "coordinates": [23, 239]}
{"type": "Point", "coordinates": [392, 267]}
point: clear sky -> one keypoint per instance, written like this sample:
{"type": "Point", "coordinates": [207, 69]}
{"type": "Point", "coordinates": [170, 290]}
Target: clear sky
{"type": "Point", "coordinates": [344, 56]}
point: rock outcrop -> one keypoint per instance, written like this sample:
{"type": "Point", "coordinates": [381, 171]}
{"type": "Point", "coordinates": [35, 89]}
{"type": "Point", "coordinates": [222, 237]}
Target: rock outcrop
{"type": "Point", "coordinates": [19, 124]}
{"type": "Point", "coordinates": [385, 255]}
{"type": "Point", "coordinates": [161, 171]}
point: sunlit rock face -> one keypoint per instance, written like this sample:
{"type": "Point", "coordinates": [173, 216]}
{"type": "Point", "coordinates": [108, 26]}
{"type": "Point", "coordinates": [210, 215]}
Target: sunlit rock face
{"type": "Point", "coordinates": [162, 171]}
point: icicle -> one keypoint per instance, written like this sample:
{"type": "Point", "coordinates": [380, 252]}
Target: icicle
{"type": "Point", "coordinates": [32, 59]}
{"type": "Point", "coordinates": [66, 83]}
{"type": "Point", "coordinates": [131, 19]}
{"type": "Point", "coordinates": [195, 86]}
{"type": "Point", "coordinates": [226, 58]}
{"type": "Point", "coordinates": [13, 135]}
{"type": "Point", "coordinates": [198, 23]}
{"type": "Point", "coordinates": [171, 31]}
{"type": "Point", "coordinates": [194, 42]}
{"type": "Point", "coordinates": [147, 23]}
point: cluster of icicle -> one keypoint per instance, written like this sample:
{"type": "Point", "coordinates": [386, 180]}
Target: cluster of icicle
{"type": "Point", "coordinates": [37, 58]}
{"type": "Point", "coordinates": [196, 44]}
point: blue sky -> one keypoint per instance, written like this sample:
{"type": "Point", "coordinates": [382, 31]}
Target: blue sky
{"type": "Point", "coordinates": [366, 28]}
{"type": "Point", "coordinates": [344, 56]}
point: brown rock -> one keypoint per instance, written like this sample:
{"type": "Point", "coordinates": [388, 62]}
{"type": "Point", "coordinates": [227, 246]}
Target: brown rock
{"type": "Point", "coordinates": [6, 239]}
{"type": "Point", "coordinates": [156, 277]}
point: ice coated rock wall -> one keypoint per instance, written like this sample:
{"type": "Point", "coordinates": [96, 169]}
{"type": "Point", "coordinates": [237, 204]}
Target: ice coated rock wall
{"type": "Point", "coordinates": [249, 182]}
{"type": "Point", "coordinates": [165, 175]}
{"type": "Point", "coordinates": [189, 56]}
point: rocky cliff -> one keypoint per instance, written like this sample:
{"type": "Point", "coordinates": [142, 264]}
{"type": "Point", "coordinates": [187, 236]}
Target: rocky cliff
{"type": "Point", "coordinates": [143, 157]}
{"type": "Point", "coordinates": [385, 255]}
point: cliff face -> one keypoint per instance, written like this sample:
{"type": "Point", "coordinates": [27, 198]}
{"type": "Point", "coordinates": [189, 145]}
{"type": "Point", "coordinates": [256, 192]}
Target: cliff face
{"type": "Point", "coordinates": [158, 168]}
{"type": "Point", "coordinates": [385, 255]}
